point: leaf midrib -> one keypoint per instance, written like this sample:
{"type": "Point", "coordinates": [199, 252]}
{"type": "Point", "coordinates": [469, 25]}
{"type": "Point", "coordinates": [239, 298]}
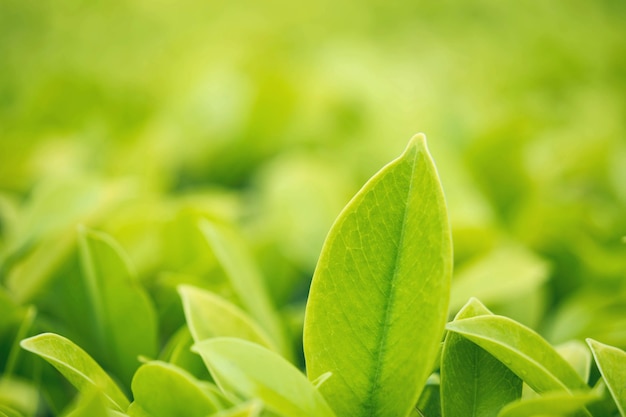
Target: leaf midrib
{"type": "Point", "coordinates": [389, 301]}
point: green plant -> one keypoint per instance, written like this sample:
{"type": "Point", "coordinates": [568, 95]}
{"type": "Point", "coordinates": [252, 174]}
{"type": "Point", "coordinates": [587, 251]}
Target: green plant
{"type": "Point", "coordinates": [373, 329]}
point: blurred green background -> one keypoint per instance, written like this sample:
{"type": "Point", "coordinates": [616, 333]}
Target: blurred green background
{"type": "Point", "coordinates": [138, 117]}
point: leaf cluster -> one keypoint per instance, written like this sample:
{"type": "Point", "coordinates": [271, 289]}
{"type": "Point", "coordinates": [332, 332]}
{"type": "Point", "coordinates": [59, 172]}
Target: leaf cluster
{"type": "Point", "coordinates": [376, 338]}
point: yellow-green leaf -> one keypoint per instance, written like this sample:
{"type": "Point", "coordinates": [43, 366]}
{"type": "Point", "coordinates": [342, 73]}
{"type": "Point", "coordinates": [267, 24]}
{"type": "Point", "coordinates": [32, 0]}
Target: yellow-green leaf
{"type": "Point", "coordinates": [379, 297]}
{"type": "Point", "coordinates": [76, 365]}
{"type": "Point", "coordinates": [254, 372]}
{"type": "Point", "coordinates": [612, 364]}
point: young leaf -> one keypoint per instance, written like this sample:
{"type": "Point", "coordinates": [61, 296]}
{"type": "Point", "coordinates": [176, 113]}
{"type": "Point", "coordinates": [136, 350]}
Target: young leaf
{"type": "Point", "coordinates": [522, 350]}
{"type": "Point", "coordinates": [612, 364]}
{"type": "Point", "coordinates": [245, 279]}
{"type": "Point", "coordinates": [252, 371]}
{"type": "Point", "coordinates": [379, 297]}
{"type": "Point", "coordinates": [125, 318]}
{"type": "Point", "coordinates": [163, 390]}
{"type": "Point", "coordinates": [209, 315]}
{"type": "Point", "coordinates": [76, 365]}
{"type": "Point", "coordinates": [473, 382]}
{"type": "Point", "coordinates": [550, 404]}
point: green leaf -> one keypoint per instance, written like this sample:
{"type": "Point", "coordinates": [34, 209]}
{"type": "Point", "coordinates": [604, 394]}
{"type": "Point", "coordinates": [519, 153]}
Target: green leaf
{"type": "Point", "coordinates": [379, 297]}
{"type": "Point", "coordinates": [249, 409]}
{"type": "Point", "coordinates": [76, 365]}
{"type": "Point", "coordinates": [429, 403]}
{"type": "Point", "coordinates": [555, 404]}
{"type": "Point", "coordinates": [473, 382]}
{"type": "Point", "coordinates": [252, 371]}
{"type": "Point", "coordinates": [209, 315]}
{"type": "Point", "coordinates": [164, 390]}
{"type": "Point", "coordinates": [6, 411]}
{"type": "Point", "coordinates": [578, 355]}
{"type": "Point", "coordinates": [501, 275]}
{"type": "Point", "coordinates": [90, 404]}
{"type": "Point", "coordinates": [126, 324]}
{"type": "Point", "coordinates": [522, 350]}
{"type": "Point", "coordinates": [19, 395]}
{"type": "Point", "coordinates": [611, 362]}
{"type": "Point", "coordinates": [245, 278]}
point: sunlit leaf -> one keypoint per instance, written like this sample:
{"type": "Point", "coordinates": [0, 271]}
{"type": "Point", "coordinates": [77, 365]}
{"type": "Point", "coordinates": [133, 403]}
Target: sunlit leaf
{"type": "Point", "coordinates": [522, 350]}
{"type": "Point", "coordinates": [76, 365]}
{"type": "Point", "coordinates": [612, 364]}
{"type": "Point", "coordinates": [248, 409]}
{"type": "Point", "coordinates": [251, 371]}
{"type": "Point", "coordinates": [164, 390]}
{"type": "Point", "coordinates": [126, 324]}
{"type": "Point", "coordinates": [245, 279]}
{"type": "Point", "coordinates": [555, 404]}
{"type": "Point", "coordinates": [473, 382]}
{"type": "Point", "coordinates": [379, 297]}
{"type": "Point", "coordinates": [209, 315]}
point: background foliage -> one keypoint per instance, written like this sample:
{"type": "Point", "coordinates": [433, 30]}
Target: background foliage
{"type": "Point", "coordinates": [139, 118]}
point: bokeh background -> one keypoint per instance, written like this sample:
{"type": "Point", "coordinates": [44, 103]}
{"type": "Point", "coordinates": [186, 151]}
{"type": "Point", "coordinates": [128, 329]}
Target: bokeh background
{"type": "Point", "coordinates": [139, 117]}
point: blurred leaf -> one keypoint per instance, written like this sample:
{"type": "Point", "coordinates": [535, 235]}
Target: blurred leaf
{"type": "Point", "coordinates": [126, 323]}
{"type": "Point", "coordinates": [521, 350]}
{"type": "Point", "coordinates": [76, 365]}
{"type": "Point", "coordinates": [252, 371]}
{"type": "Point", "coordinates": [245, 279]}
{"type": "Point", "coordinates": [177, 351]}
{"type": "Point", "coordinates": [473, 382]}
{"type": "Point", "coordinates": [578, 355]}
{"type": "Point", "coordinates": [18, 396]}
{"type": "Point", "coordinates": [555, 404]}
{"type": "Point", "coordinates": [248, 409]}
{"type": "Point", "coordinates": [164, 390]}
{"type": "Point", "coordinates": [503, 274]}
{"type": "Point", "coordinates": [209, 315]}
{"type": "Point", "coordinates": [611, 362]}
{"type": "Point", "coordinates": [380, 291]}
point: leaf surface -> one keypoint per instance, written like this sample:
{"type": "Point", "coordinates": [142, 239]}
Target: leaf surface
{"type": "Point", "coordinates": [379, 297]}
{"type": "Point", "coordinates": [248, 409]}
{"type": "Point", "coordinates": [209, 315]}
{"type": "Point", "coordinates": [252, 371]}
{"type": "Point", "coordinates": [473, 382]}
{"type": "Point", "coordinates": [245, 278]}
{"type": "Point", "coordinates": [76, 365]}
{"type": "Point", "coordinates": [612, 364]}
{"type": "Point", "coordinates": [522, 350]}
{"type": "Point", "coordinates": [551, 404]}
{"type": "Point", "coordinates": [163, 390]}
{"type": "Point", "coordinates": [126, 324]}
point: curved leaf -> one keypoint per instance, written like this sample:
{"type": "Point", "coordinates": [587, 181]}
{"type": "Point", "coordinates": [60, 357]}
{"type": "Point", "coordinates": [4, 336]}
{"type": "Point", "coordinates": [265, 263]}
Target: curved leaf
{"type": "Point", "coordinates": [611, 362]}
{"type": "Point", "coordinates": [126, 324]}
{"type": "Point", "coordinates": [76, 365]}
{"type": "Point", "coordinates": [252, 371]}
{"type": "Point", "coordinates": [379, 297]}
{"type": "Point", "coordinates": [551, 404]}
{"type": "Point", "coordinates": [245, 279]}
{"type": "Point", "coordinates": [163, 390]}
{"type": "Point", "coordinates": [473, 382]}
{"type": "Point", "coordinates": [209, 315]}
{"type": "Point", "coordinates": [522, 350]}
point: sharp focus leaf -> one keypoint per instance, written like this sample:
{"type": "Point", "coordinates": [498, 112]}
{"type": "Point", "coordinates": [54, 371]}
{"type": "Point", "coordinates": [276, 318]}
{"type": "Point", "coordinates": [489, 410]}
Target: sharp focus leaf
{"type": "Point", "coordinates": [76, 365]}
{"type": "Point", "coordinates": [164, 390]}
{"type": "Point", "coordinates": [245, 279]}
{"type": "Point", "coordinates": [209, 315]}
{"type": "Point", "coordinates": [379, 297]}
{"type": "Point", "coordinates": [473, 382]}
{"type": "Point", "coordinates": [555, 404]}
{"type": "Point", "coordinates": [126, 321]}
{"type": "Point", "coordinates": [252, 371]}
{"type": "Point", "coordinates": [521, 350]}
{"type": "Point", "coordinates": [612, 364]}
